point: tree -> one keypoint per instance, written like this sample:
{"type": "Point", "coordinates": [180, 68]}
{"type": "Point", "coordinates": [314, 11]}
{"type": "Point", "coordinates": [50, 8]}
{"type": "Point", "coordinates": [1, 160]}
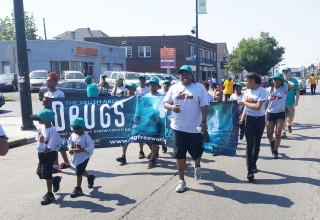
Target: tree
{"type": "Point", "coordinates": [8, 31]}
{"type": "Point", "coordinates": [256, 55]}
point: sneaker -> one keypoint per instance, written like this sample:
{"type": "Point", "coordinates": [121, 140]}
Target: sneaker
{"type": "Point", "coordinates": [76, 192]}
{"type": "Point", "coordinates": [275, 154]}
{"type": "Point", "coordinates": [250, 176]}
{"type": "Point", "coordinates": [254, 169]}
{"type": "Point", "coordinates": [283, 135]}
{"type": "Point", "coordinates": [56, 183]}
{"type": "Point", "coordinates": [152, 163]}
{"type": "Point", "coordinates": [197, 173]}
{"type": "Point", "coordinates": [64, 166]}
{"type": "Point", "coordinates": [289, 128]}
{"type": "Point", "coordinates": [164, 149]}
{"type": "Point", "coordinates": [47, 198]}
{"type": "Point", "coordinates": [122, 159]}
{"type": "Point", "coordinates": [182, 186]}
{"type": "Point", "coordinates": [141, 155]}
{"type": "Point", "coordinates": [91, 179]}
{"type": "Point", "coordinates": [149, 156]}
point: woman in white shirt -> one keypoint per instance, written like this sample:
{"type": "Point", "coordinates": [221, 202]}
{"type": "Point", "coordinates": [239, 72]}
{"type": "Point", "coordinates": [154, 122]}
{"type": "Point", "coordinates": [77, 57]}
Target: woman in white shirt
{"type": "Point", "coordinates": [254, 115]}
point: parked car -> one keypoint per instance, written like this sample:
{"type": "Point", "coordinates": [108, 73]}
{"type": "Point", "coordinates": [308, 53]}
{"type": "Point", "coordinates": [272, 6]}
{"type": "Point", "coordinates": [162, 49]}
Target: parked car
{"type": "Point", "coordinates": [129, 77]}
{"type": "Point", "coordinates": [9, 82]}
{"type": "Point", "coordinates": [37, 79]}
{"type": "Point", "coordinates": [72, 75]}
{"type": "Point", "coordinates": [70, 88]}
{"type": "Point", "coordinates": [2, 100]}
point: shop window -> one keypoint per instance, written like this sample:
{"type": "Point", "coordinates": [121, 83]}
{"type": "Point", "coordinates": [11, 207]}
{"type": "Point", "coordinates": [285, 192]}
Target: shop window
{"type": "Point", "coordinates": [144, 52]}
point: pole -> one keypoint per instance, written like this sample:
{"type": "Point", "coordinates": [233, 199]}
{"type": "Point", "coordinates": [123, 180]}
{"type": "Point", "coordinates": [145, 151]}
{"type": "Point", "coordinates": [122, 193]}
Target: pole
{"type": "Point", "coordinates": [24, 81]}
{"type": "Point", "coordinates": [44, 29]}
{"type": "Point", "coordinates": [197, 44]}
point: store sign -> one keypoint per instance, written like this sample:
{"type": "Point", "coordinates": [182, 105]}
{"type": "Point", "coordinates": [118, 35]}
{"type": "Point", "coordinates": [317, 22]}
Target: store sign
{"type": "Point", "coordinates": [167, 58]}
{"type": "Point", "coordinates": [87, 52]}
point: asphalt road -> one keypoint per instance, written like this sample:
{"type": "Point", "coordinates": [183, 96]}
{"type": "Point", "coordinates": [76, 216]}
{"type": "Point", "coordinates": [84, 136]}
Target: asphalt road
{"type": "Point", "coordinates": [287, 188]}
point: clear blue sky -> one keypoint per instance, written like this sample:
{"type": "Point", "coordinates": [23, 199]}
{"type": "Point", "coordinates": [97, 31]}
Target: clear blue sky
{"type": "Point", "coordinates": [294, 23]}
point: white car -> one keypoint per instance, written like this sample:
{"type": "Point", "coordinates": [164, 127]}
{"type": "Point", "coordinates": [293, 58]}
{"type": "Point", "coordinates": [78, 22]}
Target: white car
{"type": "Point", "coordinates": [37, 79]}
{"type": "Point", "coordinates": [72, 75]}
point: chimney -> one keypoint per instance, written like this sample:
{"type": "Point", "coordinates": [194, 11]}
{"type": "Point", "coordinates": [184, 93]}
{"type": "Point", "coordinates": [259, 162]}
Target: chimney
{"type": "Point", "coordinates": [73, 35]}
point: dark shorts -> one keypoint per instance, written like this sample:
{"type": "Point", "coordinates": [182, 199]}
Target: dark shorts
{"type": "Point", "coordinates": [273, 117]}
{"type": "Point", "coordinates": [63, 148]}
{"type": "Point", "coordinates": [187, 142]}
{"type": "Point", "coordinates": [81, 168]}
{"type": "Point", "coordinates": [46, 161]}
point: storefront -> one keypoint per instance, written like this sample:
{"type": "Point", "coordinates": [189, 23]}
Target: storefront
{"type": "Point", "coordinates": [59, 55]}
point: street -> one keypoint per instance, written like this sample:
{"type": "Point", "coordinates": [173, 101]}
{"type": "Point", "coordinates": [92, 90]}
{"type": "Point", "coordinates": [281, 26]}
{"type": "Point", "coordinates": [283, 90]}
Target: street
{"type": "Point", "coordinates": [287, 188]}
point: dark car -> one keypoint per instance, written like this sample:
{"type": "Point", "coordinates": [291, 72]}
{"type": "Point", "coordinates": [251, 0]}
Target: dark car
{"type": "Point", "coordinates": [2, 100]}
{"type": "Point", "coordinates": [74, 89]}
{"type": "Point", "coordinates": [9, 82]}
{"type": "Point", "coordinates": [69, 88]}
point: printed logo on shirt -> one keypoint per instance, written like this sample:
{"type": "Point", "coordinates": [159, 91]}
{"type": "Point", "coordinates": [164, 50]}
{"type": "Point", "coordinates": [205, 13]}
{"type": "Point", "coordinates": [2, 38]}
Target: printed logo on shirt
{"type": "Point", "coordinates": [251, 100]}
{"type": "Point", "coordinates": [274, 97]}
{"type": "Point", "coordinates": [74, 145]}
{"type": "Point", "coordinates": [184, 96]}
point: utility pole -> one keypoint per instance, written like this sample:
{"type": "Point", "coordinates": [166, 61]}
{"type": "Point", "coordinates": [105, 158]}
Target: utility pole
{"type": "Point", "coordinates": [24, 81]}
{"type": "Point", "coordinates": [197, 44]}
{"type": "Point", "coordinates": [44, 29]}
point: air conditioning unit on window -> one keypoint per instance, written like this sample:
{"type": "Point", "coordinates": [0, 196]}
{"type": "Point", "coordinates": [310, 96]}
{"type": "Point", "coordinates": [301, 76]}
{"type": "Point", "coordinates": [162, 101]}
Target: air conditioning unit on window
{"type": "Point", "coordinates": [124, 43]}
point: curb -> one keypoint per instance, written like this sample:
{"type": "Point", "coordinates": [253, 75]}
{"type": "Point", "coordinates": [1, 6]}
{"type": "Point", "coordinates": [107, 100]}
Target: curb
{"type": "Point", "coordinates": [21, 142]}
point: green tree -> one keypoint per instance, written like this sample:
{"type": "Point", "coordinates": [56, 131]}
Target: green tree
{"type": "Point", "coordinates": [8, 31]}
{"type": "Point", "coordinates": [256, 55]}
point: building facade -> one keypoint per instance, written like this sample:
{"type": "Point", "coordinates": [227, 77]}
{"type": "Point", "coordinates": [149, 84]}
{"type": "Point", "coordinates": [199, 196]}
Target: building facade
{"type": "Point", "coordinates": [60, 55]}
{"type": "Point", "coordinates": [143, 53]}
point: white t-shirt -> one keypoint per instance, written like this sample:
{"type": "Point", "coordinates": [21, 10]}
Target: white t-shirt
{"type": "Point", "coordinates": [210, 98]}
{"type": "Point", "coordinates": [235, 97]}
{"type": "Point", "coordinates": [55, 94]}
{"type": "Point", "coordinates": [48, 138]}
{"type": "Point", "coordinates": [191, 98]}
{"type": "Point", "coordinates": [161, 91]}
{"type": "Point", "coordinates": [158, 94]}
{"type": "Point", "coordinates": [85, 142]}
{"type": "Point", "coordinates": [2, 133]}
{"type": "Point", "coordinates": [142, 91]}
{"type": "Point", "coordinates": [254, 96]}
{"type": "Point", "coordinates": [118, 91]}
{"type": "Point", "coordinates": [277, 99]}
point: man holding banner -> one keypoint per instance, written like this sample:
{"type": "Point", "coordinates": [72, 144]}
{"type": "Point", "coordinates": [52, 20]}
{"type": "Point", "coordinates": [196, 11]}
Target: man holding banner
{"type": "Point", "coordinates": [189, 102]}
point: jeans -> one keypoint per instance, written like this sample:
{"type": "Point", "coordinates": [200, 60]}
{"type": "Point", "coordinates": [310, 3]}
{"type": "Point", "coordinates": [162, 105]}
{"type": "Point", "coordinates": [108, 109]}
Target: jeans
{"type": "Point", "coordinates": [253, 131]}
{"type": "Point", "coordinates": [313, 88]}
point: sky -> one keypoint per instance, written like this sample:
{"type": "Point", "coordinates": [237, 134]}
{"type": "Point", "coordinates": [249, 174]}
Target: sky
{"type": "Point", "coordinates": [293, 23]}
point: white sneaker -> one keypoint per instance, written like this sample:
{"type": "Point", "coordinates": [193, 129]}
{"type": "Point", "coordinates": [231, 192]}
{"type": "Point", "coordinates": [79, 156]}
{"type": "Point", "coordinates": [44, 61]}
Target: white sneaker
{"type": "Point", "coordinates": [197, 173]}
{"type": "Point", "coordinates": [182, 186]}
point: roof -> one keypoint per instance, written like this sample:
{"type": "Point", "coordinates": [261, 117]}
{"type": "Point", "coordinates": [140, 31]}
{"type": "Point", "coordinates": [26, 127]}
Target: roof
{"type": "Point", "coordinates": [80, 34]}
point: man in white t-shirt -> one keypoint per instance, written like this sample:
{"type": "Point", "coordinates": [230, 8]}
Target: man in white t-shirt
{"type": "Point", "coordinates": [189, 102]}
{"type": "Point", "coordinates": [4, 147]}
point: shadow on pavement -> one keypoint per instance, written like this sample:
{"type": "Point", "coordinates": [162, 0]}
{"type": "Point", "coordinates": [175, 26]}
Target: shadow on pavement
{"type": "Point", "coordinates": [76, 204]}
{"type": "Point", "coordinates": [246, 197]}
{"type": "Point", "coordinates": [4, 111]}
{"type": "Point", "coordinates": [298, 137]}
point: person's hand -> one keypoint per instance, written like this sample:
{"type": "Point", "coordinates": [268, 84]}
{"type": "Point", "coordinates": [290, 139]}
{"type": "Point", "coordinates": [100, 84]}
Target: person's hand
{"type": "Point", "coordinates": [240, 102]}
{"type": "Point", "coordinates": [71, 151]}
{"type": "Point", "coordinates": [296, 103]}
{"type": "Point", "coordinates": [240, 122]}
{"type": "Point", "coordinates": [77, 150]}
{"type": "Point", "coordinates": [204, 126]}
{"type": "Point", "coordinates": [176, 108]}
{"type": "Point", "coordinates": [47, 150]}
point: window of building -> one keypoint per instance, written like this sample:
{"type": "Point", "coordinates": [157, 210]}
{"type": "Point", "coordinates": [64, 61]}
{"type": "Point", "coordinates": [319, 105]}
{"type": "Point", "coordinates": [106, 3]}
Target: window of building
{"type": "Point", "coordinates": [59, 66]}
{"type": "Point", "coordinates": [128, 52]}
{"type": "Point", "coordinates": [192, 51]}
{"type": "Point", "coordinates": [144, 52]}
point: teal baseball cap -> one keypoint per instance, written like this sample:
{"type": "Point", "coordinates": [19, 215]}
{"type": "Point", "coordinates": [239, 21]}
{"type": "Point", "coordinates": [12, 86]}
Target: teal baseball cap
{"type": "Point", "coordinates": [278, 76]}
{"type": "Point", "coordinates": [154, 80]}
{"type": "Point", "coordinates": [78, 123]}
{"type": "Point", "coordinates": [168, 76]}
{"type": "Point", "coordinates": [287, 69]}
{"type": "Point", "coordinates": [88, 78]}
{"type": "Point", "coordinates": [132, 85]}
{"type": "Point", "coordinates": [238, 84]}
{"type": "Point", "coordinates": [142, 76]}
{"type": "Point", "coordinates": [46, 115]}
{"type": "Point", "coordinates": [167, 81]}
{"type": "Point", "coordinates": [186, 68]}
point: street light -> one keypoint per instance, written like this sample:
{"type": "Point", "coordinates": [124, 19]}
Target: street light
{"type": "Point", "coordinates": [197, 42]}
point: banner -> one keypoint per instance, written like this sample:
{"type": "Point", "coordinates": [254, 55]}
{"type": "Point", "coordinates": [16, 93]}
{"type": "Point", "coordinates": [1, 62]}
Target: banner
{"type": "Point", "coordinates": [202, 6]}
{"type": "Point", "coordinates": [117, 121]}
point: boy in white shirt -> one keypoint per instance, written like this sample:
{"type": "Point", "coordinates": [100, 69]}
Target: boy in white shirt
{"type": "Point", "coordinates": [49, 142]}
{"type": "Point", "coordinates": [81, 148]}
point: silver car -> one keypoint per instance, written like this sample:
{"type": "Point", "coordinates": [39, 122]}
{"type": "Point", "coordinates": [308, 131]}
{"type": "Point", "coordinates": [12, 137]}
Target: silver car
{"type": "Point", "coordinates": [37, 79]}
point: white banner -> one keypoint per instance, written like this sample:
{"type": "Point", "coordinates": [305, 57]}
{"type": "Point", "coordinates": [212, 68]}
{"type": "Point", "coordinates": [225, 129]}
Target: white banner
{"type": "Point", "coordinates": [202, 6]}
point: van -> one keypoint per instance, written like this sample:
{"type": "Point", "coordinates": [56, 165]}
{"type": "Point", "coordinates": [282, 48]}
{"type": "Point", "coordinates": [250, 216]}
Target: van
{"type": "Point", "coordinates": [37, 79]}
{"type": "Point", "coordinates": [72, 75]}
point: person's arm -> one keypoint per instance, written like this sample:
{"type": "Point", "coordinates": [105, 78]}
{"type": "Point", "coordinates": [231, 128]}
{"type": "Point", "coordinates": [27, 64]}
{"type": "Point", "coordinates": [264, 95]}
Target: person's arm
{"type": "Point", "coordinates": [4, 146]}
{"type": "Point", "coordinates": [297, 97]}
{"type": "Point", "coordinates": [204, 114]}
{"type": "Point", "coordinates": [291, 85]}
{"type": "Point", "coordinates": [254, 106]}
{"type": "Point", "coordinates": [100, 82]}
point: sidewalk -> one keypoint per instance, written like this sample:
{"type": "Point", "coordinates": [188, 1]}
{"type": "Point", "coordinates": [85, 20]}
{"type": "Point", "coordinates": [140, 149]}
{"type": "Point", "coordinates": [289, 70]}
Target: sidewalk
{"type": "Point", "coordinates": [17, 137]}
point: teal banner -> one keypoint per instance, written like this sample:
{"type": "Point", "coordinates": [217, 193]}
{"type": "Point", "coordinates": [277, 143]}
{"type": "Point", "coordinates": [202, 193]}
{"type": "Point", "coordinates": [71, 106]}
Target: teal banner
{"type": "Point", "coordinates": [118, 121]}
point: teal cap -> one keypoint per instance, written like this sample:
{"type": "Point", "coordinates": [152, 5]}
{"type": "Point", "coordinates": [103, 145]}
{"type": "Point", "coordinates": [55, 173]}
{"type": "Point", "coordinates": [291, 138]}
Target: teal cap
{"type": "Point", "coordinates": [154, 80]}
{"type": "Point", "coordinates": [142, 76]}
{"type": "Point", "coordinates": [78, 122]}
{"type": "Point", "coordinates": [238, 84]}
{"type": "Point", "coordinates": [46, 115]}
{"type": "Point", "coordinates": [168, 76]}
{"type": "Point", "coordinates": [132, 85]}
{"type": "Point", "coordinates": [167, 81]}
{"type": "Point", "coordinates": [88, 78]}
{"type": "Point", "coordinates": [278, 76]}
{"type": "Point", "coordinates": [186, 68]}
{"type": "Point", "coordinates": [287, 69]}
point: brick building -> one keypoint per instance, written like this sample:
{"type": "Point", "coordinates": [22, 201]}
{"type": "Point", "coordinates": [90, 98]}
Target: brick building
{"type": "Point", "coordinates": [143, 53]}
